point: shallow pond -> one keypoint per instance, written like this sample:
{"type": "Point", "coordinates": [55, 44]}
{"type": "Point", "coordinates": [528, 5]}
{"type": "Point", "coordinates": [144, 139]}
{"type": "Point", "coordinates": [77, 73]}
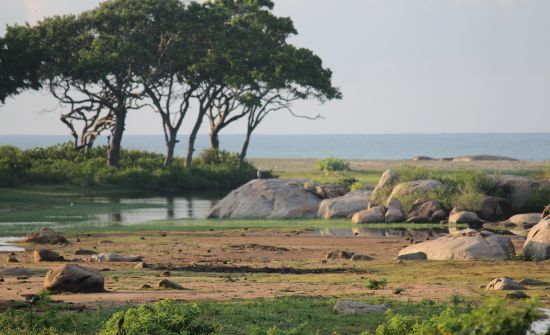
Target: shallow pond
{"type": "Point", "coordinates": [6, 244]}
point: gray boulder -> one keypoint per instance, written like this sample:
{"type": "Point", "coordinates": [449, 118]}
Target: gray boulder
{"type": "Point", "coordinates": [340, 254]}
{"type": "Point", "coordinates": [504, 284]}
{"type": "Point", "coordinates": [44, 255]}
{"type": "Point", "coordinates": [418, 187]}
{"type": "Point", "coordinates": [331, 191]}
{"type": "Point", "coordinates": [429, 211]}
{"type": "Point", "coordinates": [385, 185]}
{"type": "Point", "coordinates": [45, 236]}
{"type": "Point", "coordinates": [351, 307]}
{"type": "Point", "coordinates": [525, 221]}
{"type": "Point", "coordinates": [73, 278]}
{"type": "Point", "coordinates": [467, 246]}
{"type": "Point", "coordinates": [416, 256]}
{"type": "Point", "coordinates": [493, 209]}
{"type": "Point", "coordinates": [112, 257]}
{"type": "Point", "coordinates": [344, 206]}
{"type": "Point", "coordinates": [165, 283]}
{"type": "Point", "coordinates": [518, 190]}
{"type": "Point", "coordinates": [395, 212]}
{"type": "Point", "coordinates": [537, 245]}
{"type": "Point", "coordinates": [268, 199]}
{"type": "Point", "coordinates": [373, 215]}
{"type": "Point", "coordinates": [464, 217]}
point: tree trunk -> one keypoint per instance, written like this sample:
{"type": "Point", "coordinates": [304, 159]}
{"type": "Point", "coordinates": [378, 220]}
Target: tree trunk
{"type": "Point", "coordinates": [244, 149]}
{"type": "Point", "coordinates": [118, 131]}
{"type": "Point", "coordinates": [192, 138]}
{"type": "Point", "coordinates": [170, 145]}
{"type": "Point", "coordinates": [214, 139]}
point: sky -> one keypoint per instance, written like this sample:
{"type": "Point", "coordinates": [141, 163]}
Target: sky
{"type": "Point", "coordinates": [404, 66]}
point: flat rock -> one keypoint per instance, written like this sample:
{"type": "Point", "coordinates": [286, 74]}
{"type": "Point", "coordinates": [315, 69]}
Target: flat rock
{"type": "Point", "coordinates": [16, 272]}
{"type": "Point", "coordinates": [525, 221]}
{"type": "Point", "coordinates": [537, 244]}
{"type": "Point", "coordinates": [45, 236]}
{"type": "Point", "coordinates": [466, 217]}
{"type": "Point", "coordinates": [345, 206]}
{"type": "Point", "coordinates": [350, 307]}
{"type": "Point", "coordinates": [517, 295]}
{"type": "Point", "coordinates": [112, 257]}
{"type": "Point", "coordinates": [165, 283]}
{"type": "Point", "coordinates": [74, 278]}
{"type": "Point", "coordinates": [464, 247]}
{"type": "Point", "coordinates": [373, 215]}
{"type": "Point", "coordinates": [85, 252]}
{"type": "Point", "coordinates": [504, 284]}
{"type": "Point", "coordinates": [532, 282]}
{"type": "Point", "coordinates": [268, 199]}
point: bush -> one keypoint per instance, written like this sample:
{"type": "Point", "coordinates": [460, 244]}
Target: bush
{"type": "Point", "coordinates": [373, 284]}
{"type": "Point", "coordinates": [163, 317]}
{"type": "Point", "coordinates": [331, 165]}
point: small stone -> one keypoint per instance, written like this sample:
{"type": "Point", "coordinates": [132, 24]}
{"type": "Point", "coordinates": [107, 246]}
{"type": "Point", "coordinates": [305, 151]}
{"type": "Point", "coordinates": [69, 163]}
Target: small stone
{"type": "Point", "coordinates": [141, 265]}
{"type": "Point", "coordinates": [145, 287]}
{"type": "Point", "coordinates": [165, 283]}
{"type": "Point", "coordinates": [166, 274]}
{"type": "Point", "coordinates": [517, 295]}
{"type": "Point", "coordinates": [12, 259]}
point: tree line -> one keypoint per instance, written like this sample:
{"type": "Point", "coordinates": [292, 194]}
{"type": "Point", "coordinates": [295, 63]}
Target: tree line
{"type": "Point", "coordinates": [225, 60]}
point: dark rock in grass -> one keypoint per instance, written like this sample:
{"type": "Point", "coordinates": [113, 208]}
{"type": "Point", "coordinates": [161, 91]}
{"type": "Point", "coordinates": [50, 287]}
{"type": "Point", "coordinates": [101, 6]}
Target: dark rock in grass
{"type": "Point", "coordinates": [350, 307]}
{"type": "Point", "coordinates": [417, 256]}
{"type": "Point", "coordinates": [504, 284]}
{"type": "Point", "coordinates": [532, 282]}
{"type": "Point", "coordinates": [165, 283]}
{"type": "Point", "coordinates": [340, 254]}
{"type": "Point", "coordinates": [517, 295]}
{"type": "Point", "coordinates": [44, 255]}
{"type": "Point", "coordinates": [145, 287]}
{"type": "Point", "coordinates": [106, 242]}
{"type": "Point", "coordinates": [166, 274]}
{"type": "Point", "coordinates": [15, 272]}
{"type": "Point", "coordinates": [85, 253]}
{"type": "Point", "coordinates": [141, 265]}
{"type": "Point", "coordinates": [46, 236]}
{"type": "Point", "coordinates": [359, 258]}
{"type": "Point", "coordinates": [74, 278]}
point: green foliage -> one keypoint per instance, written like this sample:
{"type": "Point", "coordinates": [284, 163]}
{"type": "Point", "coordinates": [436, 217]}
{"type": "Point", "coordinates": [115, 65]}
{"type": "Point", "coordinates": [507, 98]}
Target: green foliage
{"type": "Point", "coordinates": [331, 165]}
{"type": "Point", "coordinates": [374, 284]}
{"type": "Point", "coordinates": [539, 199]}
{"type": "Point", "coordinates": [62, 165]}
{"type": "Point", "coordinates": [163, 318]}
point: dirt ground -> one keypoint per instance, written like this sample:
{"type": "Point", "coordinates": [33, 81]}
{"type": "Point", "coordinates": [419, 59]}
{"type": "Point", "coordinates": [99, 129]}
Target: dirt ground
{"type": "Point", "coordinates": [262, 263]}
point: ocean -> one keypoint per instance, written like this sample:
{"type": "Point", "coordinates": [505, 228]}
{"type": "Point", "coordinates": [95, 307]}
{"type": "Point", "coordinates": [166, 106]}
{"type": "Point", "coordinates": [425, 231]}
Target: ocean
{"type": "Point", "coordinates": [366, 147]}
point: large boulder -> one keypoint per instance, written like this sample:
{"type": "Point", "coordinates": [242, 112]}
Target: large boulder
{"type": "Point", "coordinates": [268, 199]}
{"type": "Point", "coordinates": [525, 221]}
{"type": "Point", "coordinates": [537, 245]}
{"type": "Point", "coordinates": [493, 209]}
{"type": "Point", "coordinates": [518, 190]}
{"type": "Point", "coordinates": [112, 258]}
{"type": "Point", "coordinates": [416, 187]}
{"type": "Point", "coordinates": [45, 236]}
{"type": "Point", "coordinates": [373, 215]}
{"type": "Point", "coordinates": [395, 212]}
{"type": "Point", "coordinates": [429, 211]}
{"type": "Point", "coordinates": [466, 217]}
{"type": "Point", "coordinates": [504, 284]}
{"type": "Point", "coordinates": [345, 206]}
{"type": "Point", "coordinates": [467, 246]}
{"type": "Point", "coordinates": [385, 185]}
{"type": "Point", "coordinates": [73, 278]}
{"type": "Point", "coordinates": [44, 255]}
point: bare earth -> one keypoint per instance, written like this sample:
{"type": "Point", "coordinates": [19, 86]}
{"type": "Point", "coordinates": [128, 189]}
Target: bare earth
{"type": "Point", "coordinates": [264, 263]}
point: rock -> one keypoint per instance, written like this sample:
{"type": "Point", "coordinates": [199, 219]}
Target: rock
{"type": "Point", "coordinates": [546, 212]}
{"type": "Point", "coordinates": [15, 272]}
{"type": "Point", "coordinates": [395, 212]}
{"type": "Point", "coordinates": [165, 283]}
{"type": "Point", "coordinates": [166, 274]}
{"type": "Point", "coordinates": [84, 252]}
{"type": "Point", "coordinates": [345, 206]}
{"type": "Point", "coordinates": [517, 295]}
{"type": "Point", "coordinates": [268, 199]}
{"type": "Point", "coordinates": [112, 257]}
{"type": "Point", "coordinates": [350, 307]}
{"type": "Point", "coordinates": [425, 212]}
{"type": "Point", "coordinates": [493, 209]}
{"type": "Point", "coordinates": [464, 247]}
{"type": "Point", "coordinates": [44, 255]}
{"type": "Point", "coordinates": [417, 187]}
{"type": "Point", "coordinates": [518, 190]}
{"type": "Point", "coordinates": [358, 258]}
{"type": "Point", "coordinates": [73, 278]}
{"type": "Point", "coordinates": [46, 236]}
{"type": "Point", "coordinates": [106, 242]}
{"type": "Point", "coordinates": [504, 284]}
{"type": "Point", "coordinates": [373, 215]}
{"type": "Point", "coordinates": [12, 259]}
{"type": "Point", "coordinates": [464, 217]}
{"type": "Point", "coordinates": [532, 282]}
{"type": "Point", "coordinates": [474, 158]}
{"type": "Point", "coordinates": [384, 187]}
{"type": "Point", "coordinates": [422, 158]}
{"type": "Point", "coordinates": [141, 265]}
{"type": "Point", "coordinates": [537, 245]}
{"type": "Point", "coordinates": [524, 221]}
{"type": "Point", "coordinates": [415, 256]}
{"type": "Point", "coordinates": [145, 287]}
{"type": "Point", "coordinates": [331, 191]}
{"type": "Point", "coordinates": [340, 254]}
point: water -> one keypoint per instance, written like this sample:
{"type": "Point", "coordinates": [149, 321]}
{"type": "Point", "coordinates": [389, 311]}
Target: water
{"type": "Point", "coordinates": [7, 246]}
{"type": "Point", "coordinates": [371, 147]}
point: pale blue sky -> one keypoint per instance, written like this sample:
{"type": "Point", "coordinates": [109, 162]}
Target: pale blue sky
{"type": "Point", "coordinates": [404, 66]}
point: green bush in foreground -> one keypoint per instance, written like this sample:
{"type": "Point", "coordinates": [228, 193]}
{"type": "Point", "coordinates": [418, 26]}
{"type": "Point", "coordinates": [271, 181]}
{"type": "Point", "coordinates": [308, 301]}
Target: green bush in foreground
{"type": "Point", "coordinates": [332, 164]}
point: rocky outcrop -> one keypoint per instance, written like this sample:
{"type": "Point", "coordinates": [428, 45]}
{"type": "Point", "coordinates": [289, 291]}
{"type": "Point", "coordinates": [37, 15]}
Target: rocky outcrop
{"type": "Point", "coordinates": [373, 215]}
{"type": "Point", "coordinates": [112, 257]}
{"type": "Point", "coordinates": [45, 236]}
{"type": "Point", "coordinates": [537, 245]}
{"type": "Point", "coordinates": [331, 191]}
{"type": "Point", "coordinates": [385, 185]}
{"type": "Point", "coordinates": [504, 284]}
{"type": "Point", "coordinates": [525, 221]}
{"type": "Point", "coordinates": [464, 217]}
{"type": "Point", "coordinates": [73, 278]}
{"type": "Point", "coordinates": [350, 307]}
{"type": "Point", "coordinates": [417, 187]}
{"type": "Point", "coordinates": [464, 246]}
{"type": "Point", "coordinates": [44, 255]}
{"type": "Point", "coordinates": [518, 190]}
{"type": "Point", "coordinates": [425, 212]}
{"type": "Point", "coordinates": [345, 206]}
{"type": "Point", "coordinates": [268, 199]}
{"type": "Point", "coordinates": [493, 209]}
{"type": "Point", "coordinates": [395, 212]}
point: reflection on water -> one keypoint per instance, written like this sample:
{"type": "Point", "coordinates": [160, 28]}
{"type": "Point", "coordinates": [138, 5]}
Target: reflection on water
{"type": "Point", "coordinates": [161, 208]}
{"type": "Point", "coordinates": [384, 232]}
{"type": "Point", "coordinates": [5, 245]}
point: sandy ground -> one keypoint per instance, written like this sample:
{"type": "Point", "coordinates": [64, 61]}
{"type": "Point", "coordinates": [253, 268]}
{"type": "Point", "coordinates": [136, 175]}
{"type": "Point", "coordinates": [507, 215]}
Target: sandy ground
{"type": "Point", "coordinates": [263, 263]}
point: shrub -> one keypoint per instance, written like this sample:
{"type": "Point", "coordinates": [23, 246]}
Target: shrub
{"type": "Point", "coordinates": [332, 164]}
{"type": "Point", "coordinates": [409, 172]}
{"type": "Point", "coordinates": [539, 199]}
{"type": "Point", "coordinates": [163, 317]}
{"type": "Point", "coordinates": [373, 284]}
